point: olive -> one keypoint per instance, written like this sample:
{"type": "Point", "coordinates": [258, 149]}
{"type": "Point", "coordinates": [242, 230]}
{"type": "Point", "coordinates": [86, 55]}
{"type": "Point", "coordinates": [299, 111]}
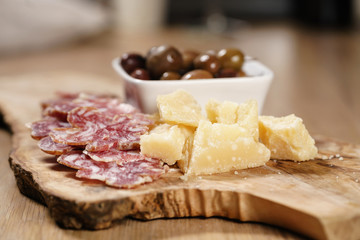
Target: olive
{"type": "Point", "coordinates": [231, 58]}
{"type": "Point", "coordinates": [131, 61]}
{"type": "Point", "coordinates": [170, 76]}
{"type": "Point", "coordinates": [188, 59]}
{"type": "Point", "coordinates": [197, 74]}
{"type": "Point", "coordinates": [207, 62]}
{"type": "Point", "coordinates": [162, 59]}
{"type": "Point", "coordinates": [140, 73]}
{"type": "Point", "coordinates": [227, 73]}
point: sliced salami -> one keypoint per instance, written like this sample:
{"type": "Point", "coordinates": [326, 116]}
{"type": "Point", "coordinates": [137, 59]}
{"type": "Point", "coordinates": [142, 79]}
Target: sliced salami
{"type": "Point", "coordinates": [123, 136]}
{"type": "Point", "coordinates": [74, 136]}
{"type": "Point", "coordinates": [60, 107]}
{"type": "Point", "coordinates": [81, 116]}
{"type": "Point", "coordinates": [118, 156]}
{"type": "Point", "coordinates": [129, 175]}
{"type": "Point", "coordinates": [99, 136]}
{"type": "Point", "coordinates": [100, 130]}
{"type": "Point", "coordinates": [42, 128]}
{"type": "Point", "coordinates": [47, 145]}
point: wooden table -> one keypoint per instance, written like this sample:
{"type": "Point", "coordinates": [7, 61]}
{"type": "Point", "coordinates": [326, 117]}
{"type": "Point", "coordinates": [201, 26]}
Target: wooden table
{"type": "Point", "coordinates": [316, 77]}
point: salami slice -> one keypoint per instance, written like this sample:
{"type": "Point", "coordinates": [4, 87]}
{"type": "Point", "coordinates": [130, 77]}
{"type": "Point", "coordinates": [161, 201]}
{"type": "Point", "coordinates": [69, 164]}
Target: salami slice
{"type": "Point", "coordinates": [47, 145]}
{"type": "Point", "coordinates": [42, 128]}
{"type": "Point", "coordinates": [59, 108]}
{"type": "Point", "coordinates": [74, 136]}
{"type": "Point", "coordinates": [129, 175]}
{"type": "Point", "coordinates": [100, 130]}
{"type": "Point", "coordinates": [81, 116]}
{"type": "Point", "coordinates": [99, 136]}
{"type": "Point", "coordinates": [118, 156]}
{"type": "Point", "coordinates": [123, 136]}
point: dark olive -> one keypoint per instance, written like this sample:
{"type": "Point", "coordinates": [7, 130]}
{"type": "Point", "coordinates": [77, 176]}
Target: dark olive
{"type": "Point", "coordinates": [140, 73]}
{"type": "Point", "coordinates": [207, 62]}
{"type": "Point", "coordinates": [188, 59]}
{"type": "Point", "coordinates": [197, 74]}
{"type": "Point", "coordinates": [227, 73]}
{"type": "Point", "coordinates": [162, 59]}
{"type": "Point", "coordinates": [170, 76]}
{"type": "Point", "coordinates": [231, 58]}
{"type": "Point", "coordinates": [131, 61]}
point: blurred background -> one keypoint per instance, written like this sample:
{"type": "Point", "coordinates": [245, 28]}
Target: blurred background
{"type": "Point", "coordinates": [313, 46]}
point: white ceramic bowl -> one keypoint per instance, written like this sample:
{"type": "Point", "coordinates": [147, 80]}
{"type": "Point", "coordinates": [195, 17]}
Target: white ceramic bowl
{"type": "Point", "coordinates": [142, 93]}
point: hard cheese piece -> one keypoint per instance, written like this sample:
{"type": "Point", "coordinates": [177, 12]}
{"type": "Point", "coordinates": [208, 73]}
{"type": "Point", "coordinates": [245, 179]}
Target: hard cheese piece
{"type": "Point", "coordinates": [211, 109]}
{"type": "Point", "coordinates": [221, 147]}
{"type": "Point", "coordinates": [248, 117]}
{"type": "Point", "coordinates": [245, 114]}
{"type": "Point", "coordinates": [287, 138]}
{"type": "Point", "coordinates": [164, 142]}
{"type": "Point", "coordinates": [167, 142]}
{"type": "Point", "coordinates": [179, 107]}
{"type": "Point", "coordinates": [227, 112]}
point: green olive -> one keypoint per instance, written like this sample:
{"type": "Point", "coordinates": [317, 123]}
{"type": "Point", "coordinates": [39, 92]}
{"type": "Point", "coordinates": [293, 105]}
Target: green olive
{"type": "Point", "coordinates": [207, 62]}
{"type": "Point", "coordinates": [197, 74]}
{"type": "Point", "coordinates": [162, 59]}
{"type": "Point", "coordinates": [188, 59]}
{"type": "Point", "coordinates": [170, 76]}
{"type": "Point", "coordinates": [231, 58]}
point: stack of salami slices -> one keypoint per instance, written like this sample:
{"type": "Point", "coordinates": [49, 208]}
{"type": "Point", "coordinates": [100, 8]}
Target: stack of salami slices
{"type": "Point", "coordinates": [99, 136]}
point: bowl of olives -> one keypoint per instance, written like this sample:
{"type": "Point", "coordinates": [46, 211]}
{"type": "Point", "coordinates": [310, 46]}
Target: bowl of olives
{"type": "Point", "coordinates": [224, 75]}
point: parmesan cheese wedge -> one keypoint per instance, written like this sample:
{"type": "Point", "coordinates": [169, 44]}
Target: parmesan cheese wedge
{"type": "Point", "coordinates": [219, 147]}
{"type": "Point", "coordinates": [287, 138]}
{"type": "Point", "coordinates": [179, 107]}
{"type": "Point", "coordinates": [245, 114]}
{"type": "Point", "coordinates": [170, 143]}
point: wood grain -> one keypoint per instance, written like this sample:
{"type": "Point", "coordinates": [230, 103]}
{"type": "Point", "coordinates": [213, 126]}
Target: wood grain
{"type": "Point", "coordinates": [317, 198]}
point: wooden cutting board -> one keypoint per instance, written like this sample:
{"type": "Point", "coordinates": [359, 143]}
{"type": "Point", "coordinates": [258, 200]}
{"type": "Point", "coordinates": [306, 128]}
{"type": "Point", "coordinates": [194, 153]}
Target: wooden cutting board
{"type": "Point", "coordinates": [319, 198]}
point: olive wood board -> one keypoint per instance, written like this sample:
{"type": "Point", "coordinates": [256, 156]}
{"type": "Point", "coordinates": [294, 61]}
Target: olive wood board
{"type": "Point", "coordinates": [318, 198]}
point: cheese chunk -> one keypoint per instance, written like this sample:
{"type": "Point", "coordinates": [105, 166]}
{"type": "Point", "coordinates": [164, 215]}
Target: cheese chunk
{"type": "Point", "coordinates": [221, 147]}
{"type": "Point", "coordinates": [179, 107]}
{"type": "Point", "coordinates": [211, 109]}
{"type": "Point", "coordinates": [287, 138]}
{"type": "Point", "coordinates": [245, 114]}
{"type": "Point", "coordinates": [164, 142]}
{"type": "Point", "coordinates": [170, 143]}
{"type": "Point", "coordinates": [227, 112]}
{"type": "Point", "coordinates": [248, 117]}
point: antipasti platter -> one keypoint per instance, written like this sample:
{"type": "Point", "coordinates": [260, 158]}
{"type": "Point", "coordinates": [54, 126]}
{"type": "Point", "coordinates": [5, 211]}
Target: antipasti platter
{"type": "Point", "coordinates": [317, 198]}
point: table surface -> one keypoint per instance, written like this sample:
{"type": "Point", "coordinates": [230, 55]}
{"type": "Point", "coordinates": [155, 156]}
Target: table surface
{"type": "Point", "coordinates": [316, 77]}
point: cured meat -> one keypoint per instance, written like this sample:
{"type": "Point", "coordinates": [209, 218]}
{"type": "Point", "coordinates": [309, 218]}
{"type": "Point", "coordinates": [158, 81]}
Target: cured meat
{"type": "Point", "coordinates": [99, 136]}
{"type": "Point", "coordinates": [101, 130]}
{"type": "Point", "coordinates": [59, 108]}
{"type": "Point", "coordinates": [129, 175]}
{"type": "Point", "coordinates": [74, 136]}
{"type": "Point", "coordinates": [125, 136]}
{"type": "Point", "coordinates": [42, 128]}
{"type": "Point", "coordinates": [47, 145]}
{"type": "Point", "coordinates": [118, 156]}
{"type": "Point", "coordinates": [81, 116]}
